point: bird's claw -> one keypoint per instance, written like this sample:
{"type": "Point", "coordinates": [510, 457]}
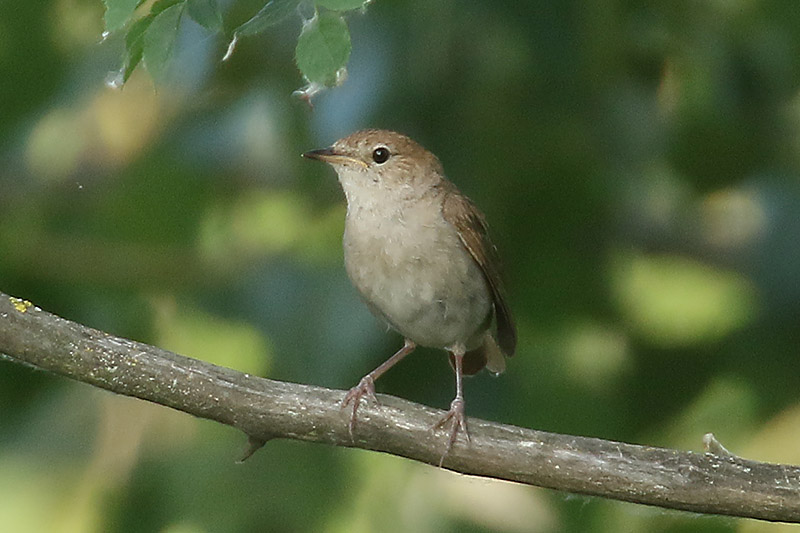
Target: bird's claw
{"type": "Point", "coordinates": [459, 420]}
{"type": "Point", "coordinates": [365, 387]}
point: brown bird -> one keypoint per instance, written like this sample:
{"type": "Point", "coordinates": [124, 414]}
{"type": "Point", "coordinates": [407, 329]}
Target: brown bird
{"type": "Point", "coordinates": [419, 254]}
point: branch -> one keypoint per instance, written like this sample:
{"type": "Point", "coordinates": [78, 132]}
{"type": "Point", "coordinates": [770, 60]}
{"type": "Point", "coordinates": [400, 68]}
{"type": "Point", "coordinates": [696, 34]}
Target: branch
{"type": "Point", "coordinates": [265, 409]}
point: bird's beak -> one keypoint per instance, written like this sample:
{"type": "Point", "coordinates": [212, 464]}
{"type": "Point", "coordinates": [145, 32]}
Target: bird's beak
{"type": "Point", "coordinates": [331, 156]}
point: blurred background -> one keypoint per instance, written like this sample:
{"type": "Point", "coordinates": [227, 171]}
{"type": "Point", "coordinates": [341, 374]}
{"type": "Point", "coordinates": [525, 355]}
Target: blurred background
{"type": "Point", "coordinates": [639, 165]}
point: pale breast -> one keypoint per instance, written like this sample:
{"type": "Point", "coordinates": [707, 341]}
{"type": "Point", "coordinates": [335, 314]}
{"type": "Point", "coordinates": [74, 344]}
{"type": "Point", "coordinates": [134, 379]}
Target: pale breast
{"type": "Point", "coordinates": [415, 274]}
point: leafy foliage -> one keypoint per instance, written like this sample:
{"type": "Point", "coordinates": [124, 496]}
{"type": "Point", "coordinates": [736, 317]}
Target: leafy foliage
{"type": "Point", "coordinates": [134, 45]}
{"type": "Point", "coordinates": [273, 12]}
{"type": "Point", "coordinates": [206, 13]}
{"type": "Point", "coordinates": [323, 47]}
{"type": "Point", "coordinates": [118, 12]}
{"type": "Point", "coordinates": [159, 41]}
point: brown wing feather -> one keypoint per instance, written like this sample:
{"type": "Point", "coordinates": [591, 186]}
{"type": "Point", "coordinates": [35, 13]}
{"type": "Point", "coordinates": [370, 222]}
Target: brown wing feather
{"type": "Point", "coordinates": [459, 211]}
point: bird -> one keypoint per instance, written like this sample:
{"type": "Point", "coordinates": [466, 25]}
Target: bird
{"type": "Point", "coordinates": [418, 252]}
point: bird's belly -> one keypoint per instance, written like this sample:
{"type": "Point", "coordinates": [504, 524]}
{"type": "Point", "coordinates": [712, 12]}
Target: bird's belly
{"type": "Point", "coordinates": [425, 285]}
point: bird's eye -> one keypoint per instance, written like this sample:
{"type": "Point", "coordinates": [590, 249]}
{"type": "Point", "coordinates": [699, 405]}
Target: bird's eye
{"type": "Point", "coordinates": [380, 155]}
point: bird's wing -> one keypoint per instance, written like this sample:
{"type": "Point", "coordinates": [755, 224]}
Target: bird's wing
{"type": "Point", "coordinates": [459, 211]}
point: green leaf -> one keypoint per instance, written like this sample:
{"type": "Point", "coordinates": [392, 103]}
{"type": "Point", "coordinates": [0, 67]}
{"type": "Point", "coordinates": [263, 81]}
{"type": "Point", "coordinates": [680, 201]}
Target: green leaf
{"type": "Point", "coordinates": [136, 32]}
{"type": "Point", "coordinates": [342, 5]}
{"type": "Point", "coordinates": [206, 13]}
{"type": "Point", "coordinates": [118, 12]}
{"type": "Point", "coordinates": [269, 15]}
{"type": "Point", "coordinates": [162, 5]}
{"type": "Point", "coordinates": [134, 45]}
{"type": "Point", "coordinates": [159, 42]}
{"type": "Point", "coordinates": [323, 48]}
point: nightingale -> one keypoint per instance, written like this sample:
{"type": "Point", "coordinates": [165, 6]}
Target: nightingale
{"type": "Point", "coordinates": [418, 252]}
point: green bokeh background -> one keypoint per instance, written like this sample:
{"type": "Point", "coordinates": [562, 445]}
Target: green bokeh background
{"type": "Point", "coordinates": [639, 165]}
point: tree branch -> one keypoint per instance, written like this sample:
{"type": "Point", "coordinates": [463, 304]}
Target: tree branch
{"type": "Point", "coordinates": [265, 409]}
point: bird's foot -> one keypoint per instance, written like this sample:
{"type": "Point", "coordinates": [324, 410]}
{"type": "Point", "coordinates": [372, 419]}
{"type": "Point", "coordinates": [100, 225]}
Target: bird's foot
{"type": "Point", "coordinates": [459, 421]}
{"type": "Point", "coordinates": [365, 387]}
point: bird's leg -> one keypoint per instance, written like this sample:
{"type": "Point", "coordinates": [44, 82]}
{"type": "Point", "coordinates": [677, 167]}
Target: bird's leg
{"type": "Point", "coordinates": [366, 387]}
{"type": "Point", "coordinates": [456, 412]}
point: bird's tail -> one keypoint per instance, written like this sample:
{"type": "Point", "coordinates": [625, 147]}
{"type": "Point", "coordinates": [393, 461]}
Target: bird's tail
{"type": "Point", "coordinates": [486, 355]}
